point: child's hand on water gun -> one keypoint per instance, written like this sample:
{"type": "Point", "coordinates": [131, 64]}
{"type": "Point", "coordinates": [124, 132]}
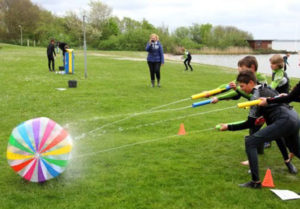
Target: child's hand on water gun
{"type": "Point", "coordinates": [214, 100]}
{"type": "Point", "coordinates": [282, 95]}
{"type": "Point", "coordinates": [232, 85]}
{"type": "Point", "coordinates": [222, 127]}
{"type": "Point", "coordinates": [263, 101]}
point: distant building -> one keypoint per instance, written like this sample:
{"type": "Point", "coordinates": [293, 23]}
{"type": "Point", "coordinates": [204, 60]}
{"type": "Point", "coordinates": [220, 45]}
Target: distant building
{"type": "Point", "coordinates": [260, 44]}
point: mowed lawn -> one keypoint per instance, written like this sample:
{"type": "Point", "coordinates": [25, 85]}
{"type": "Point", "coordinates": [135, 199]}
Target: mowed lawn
{"type": "Point", "coordinates": [126, 150]}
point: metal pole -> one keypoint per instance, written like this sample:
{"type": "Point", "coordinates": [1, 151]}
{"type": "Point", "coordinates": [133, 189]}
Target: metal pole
{"type": "Point", "coordinates": [84, 48]}
{"type": "Point", "coordinates": [21, 35]}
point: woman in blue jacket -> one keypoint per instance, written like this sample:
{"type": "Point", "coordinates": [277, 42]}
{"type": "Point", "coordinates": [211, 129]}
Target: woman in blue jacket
{"type": "Point", "coordinates": [155, 58]}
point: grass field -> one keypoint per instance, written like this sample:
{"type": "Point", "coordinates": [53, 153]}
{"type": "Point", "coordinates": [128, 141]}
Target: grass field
{"type": "Point", "coordinates": [126, 150]}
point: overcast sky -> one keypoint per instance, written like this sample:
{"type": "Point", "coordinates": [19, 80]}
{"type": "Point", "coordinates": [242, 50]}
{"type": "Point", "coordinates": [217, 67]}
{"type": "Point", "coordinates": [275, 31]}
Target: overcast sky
{"type": "Point", "coordinates": [265, 19]}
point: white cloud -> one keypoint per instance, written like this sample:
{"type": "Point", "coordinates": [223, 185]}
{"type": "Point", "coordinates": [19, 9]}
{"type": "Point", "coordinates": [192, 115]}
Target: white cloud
{"type": "Point", "coordinates": [265, 19]}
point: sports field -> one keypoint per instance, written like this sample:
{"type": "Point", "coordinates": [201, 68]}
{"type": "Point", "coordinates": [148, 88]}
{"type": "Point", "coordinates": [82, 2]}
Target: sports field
{"type": "Point", "coordinates": [127, 153]}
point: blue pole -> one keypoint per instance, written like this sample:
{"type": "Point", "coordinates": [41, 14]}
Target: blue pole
{"type": "Point", "coordinates": [205, 102]}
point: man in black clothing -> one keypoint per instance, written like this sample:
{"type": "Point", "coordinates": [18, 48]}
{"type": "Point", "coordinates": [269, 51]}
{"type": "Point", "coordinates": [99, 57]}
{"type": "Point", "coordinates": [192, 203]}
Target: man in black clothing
{"type": "Point", "coordinates": [50, 53]}
{"type": "Point", "coordinates": [63, 46]}
{"type": "Point", "coordinates": [282, 123]}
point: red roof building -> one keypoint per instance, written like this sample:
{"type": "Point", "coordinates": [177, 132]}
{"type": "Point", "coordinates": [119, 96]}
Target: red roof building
{"type": "Point", "coordinates": [260, 44]}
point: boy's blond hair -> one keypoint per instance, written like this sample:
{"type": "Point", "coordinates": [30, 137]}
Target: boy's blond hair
{"type": "Point", "coordinates": [277, 59]}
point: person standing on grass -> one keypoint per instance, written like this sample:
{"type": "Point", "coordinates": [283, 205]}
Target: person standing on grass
{"type": "Point", "coordinates": [50, 53]}
{"type": "Point", "coordinates": [285, 60]}
{"type": "Point", "coordinates": [63, 46]}
{"type": "Point", "coordinates": [155, 58]}
{"type": "Point", "coordinates": [187, 61]}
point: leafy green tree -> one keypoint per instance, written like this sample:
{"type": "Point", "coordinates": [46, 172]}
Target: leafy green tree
{"type": "Point", "coordinates": [20, 13]}
{"type": "Point", "coordinates": [73, 27]}
{"type": "Point", "coordinates": [111, 27]}
{"type": "Point", "coordinates": [195, 32]}
{"type": "Point", "coordinates": [205, 33]}
{"type": "Point", "coordinates": [181, 33]}
{"type": "Point", "coordinates": [128, 24]}
{"type": "Point", "coordinates": [146, 25]}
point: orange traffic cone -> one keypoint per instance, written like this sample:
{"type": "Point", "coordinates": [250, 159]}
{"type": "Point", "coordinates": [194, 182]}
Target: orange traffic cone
{"type": "Point", "coordinates": [268, 180]}
{"type": "Point", "coordinates": [181, 130]}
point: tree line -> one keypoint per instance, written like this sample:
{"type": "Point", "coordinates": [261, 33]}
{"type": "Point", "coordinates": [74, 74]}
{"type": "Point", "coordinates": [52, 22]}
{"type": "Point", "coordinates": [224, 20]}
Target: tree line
{"type": "Point", "coordinates": [105, 31]}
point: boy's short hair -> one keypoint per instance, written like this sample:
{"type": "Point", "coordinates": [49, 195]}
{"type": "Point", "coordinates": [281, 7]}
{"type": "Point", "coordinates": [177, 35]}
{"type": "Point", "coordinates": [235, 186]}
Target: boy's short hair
{"type": "Point", "coordinates": [51, 40]}
{"type": "Point", "coordinates": [248, 61]}
{"type": "Point", "coordinates": [277, 59]}
{"type": "Point", "coordinates": [246, 76]}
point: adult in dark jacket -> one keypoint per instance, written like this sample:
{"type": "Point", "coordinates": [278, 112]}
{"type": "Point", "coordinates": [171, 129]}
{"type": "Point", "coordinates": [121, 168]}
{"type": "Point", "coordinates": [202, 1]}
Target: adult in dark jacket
{"type": "Point", "coordinates": [50, 53]}
{"type": "Point", "coordinates": [63, 46]}
{"type": "Point", "coordinates": [155, 58]}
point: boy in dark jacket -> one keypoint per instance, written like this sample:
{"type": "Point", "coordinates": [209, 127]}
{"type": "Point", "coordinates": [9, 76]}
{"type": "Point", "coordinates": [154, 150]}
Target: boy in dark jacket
{"type": "Point", "coordinates": [50, 53]}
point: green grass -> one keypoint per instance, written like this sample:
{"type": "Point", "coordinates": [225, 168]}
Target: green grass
{"type": "Point", "coordinates": [198, 170]}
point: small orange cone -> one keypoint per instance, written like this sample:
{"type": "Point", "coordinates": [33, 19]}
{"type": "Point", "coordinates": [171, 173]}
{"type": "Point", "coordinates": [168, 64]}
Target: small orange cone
{"type": "Point", "coordinates": [268, 180]}
{"type": "Point", "coordinates": [181, 130]}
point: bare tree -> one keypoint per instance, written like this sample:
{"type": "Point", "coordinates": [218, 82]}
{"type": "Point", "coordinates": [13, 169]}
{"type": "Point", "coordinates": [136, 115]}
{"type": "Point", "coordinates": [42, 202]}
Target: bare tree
{"type": "Point", "coordinates": [99, 13]}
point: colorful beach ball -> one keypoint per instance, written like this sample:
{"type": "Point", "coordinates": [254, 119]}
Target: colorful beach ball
{"type": "Point", "coordinates": [39, 149]}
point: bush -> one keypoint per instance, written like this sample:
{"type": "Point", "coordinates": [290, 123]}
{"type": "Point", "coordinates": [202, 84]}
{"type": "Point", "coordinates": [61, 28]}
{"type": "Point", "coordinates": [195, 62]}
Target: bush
{"type": "Point", "coordinates": [110, 44]}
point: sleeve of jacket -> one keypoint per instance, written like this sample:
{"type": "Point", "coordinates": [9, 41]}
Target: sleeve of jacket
{"type": "Point", "coordinates": [53, 50]}
{"type": "Point", "coordinates": [148, 46]}
{"type": "Point", "coordinates": [162, 59]}
{"type": "Point", "coordinates": [244, 125]}
{"type": "Point", "coordinates": [294, 95]}
{"type": "Point", "coordinates": [231, 94]}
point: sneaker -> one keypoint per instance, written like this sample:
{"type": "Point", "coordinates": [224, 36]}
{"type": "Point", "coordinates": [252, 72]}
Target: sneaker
{"type": "Point", "coordinates": [292, 168]}
{"type": "Point", "coordinates": [251, 184]}
{"type": "Point", "coordinates": [152, 84]}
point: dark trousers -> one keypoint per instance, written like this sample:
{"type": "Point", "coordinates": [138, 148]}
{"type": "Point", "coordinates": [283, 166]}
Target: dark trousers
{"type": "Point", "coordinates": [260, 147]}
{"type": "Point", "coordinates": [285, 130]}
{"type": "Point", "coordinates": [154, 68]}
{"type": "Point", "coordinates": [280, 143]}
{"type": "Point", "coordinates": [284, 67]}
{"type": "Point", "coordinates": [51, 59]}
{"type": "Point", "coordinates": [187, 62]}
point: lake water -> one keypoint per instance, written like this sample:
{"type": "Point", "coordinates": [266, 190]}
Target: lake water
{"type": "Point", "coordinates": [293, 69]}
